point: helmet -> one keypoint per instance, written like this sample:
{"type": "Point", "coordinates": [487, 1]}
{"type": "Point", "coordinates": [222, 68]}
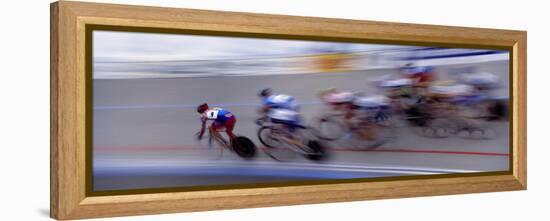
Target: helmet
{"type": "Point", "coordinates": [202, 108]}
{"type": "Point", "coordinates": [265, 92]}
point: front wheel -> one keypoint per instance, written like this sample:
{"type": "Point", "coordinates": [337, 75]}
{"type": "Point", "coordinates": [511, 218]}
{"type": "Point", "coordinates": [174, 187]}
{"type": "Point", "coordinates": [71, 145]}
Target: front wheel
{"type": "Point", "coordinates": [267, 137]}
{"type": "Point", "coordinates": [371, 137]}
{"type": "Point", "coordinates": [329, 128]}
{"type": "Point", "coordinates": [244, 147]}
{"type": "Point", "coordinates": [274, 148]}
{"type": "Point", "coordinates": [439, 128]}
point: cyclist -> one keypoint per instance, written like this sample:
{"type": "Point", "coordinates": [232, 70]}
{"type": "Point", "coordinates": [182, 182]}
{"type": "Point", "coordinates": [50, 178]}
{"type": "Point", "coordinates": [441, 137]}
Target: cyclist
{"type": "Point", "coordinates": [272, 102]}
{"type": "Point", "coordinates": [422, 76]}
{"type": "Point", "coordinates": [282, 110]}
{"type": "Point", "coordinates": [400, 92]}
{"type": "Point", "coordinates": [280, 101]}
{"type": "Point", "coordinates": [372, 106]}
{"type": "Point", "coordinates": [396, 88]}
{"type": "Point", "coordinates": [339, 101]}
{"type": "Point", "coordinates": [412, 104]}
{"type": "Point", "coordinates": [221, 119]}
{"type": "Point", "coordinates": [485, 83]}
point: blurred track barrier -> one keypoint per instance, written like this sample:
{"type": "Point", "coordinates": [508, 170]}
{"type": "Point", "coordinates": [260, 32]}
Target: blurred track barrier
{"type": "Point", "coordinates": [334, 62]}
{"type": "Point", "coordinates": [306, 63]}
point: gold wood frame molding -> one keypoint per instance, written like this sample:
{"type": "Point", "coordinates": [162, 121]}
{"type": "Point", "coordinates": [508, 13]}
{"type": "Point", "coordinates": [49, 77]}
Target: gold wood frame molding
{"type": "Point", "coordinates": [69, 85]}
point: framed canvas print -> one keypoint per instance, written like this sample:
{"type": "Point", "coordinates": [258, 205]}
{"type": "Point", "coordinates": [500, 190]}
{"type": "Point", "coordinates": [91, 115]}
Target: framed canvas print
{"type": "Point", "coordinates": [161, 110]}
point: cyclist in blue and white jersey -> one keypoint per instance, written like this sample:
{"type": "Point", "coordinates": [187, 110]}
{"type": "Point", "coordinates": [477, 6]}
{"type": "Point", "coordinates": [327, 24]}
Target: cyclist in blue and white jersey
{"type": "Point", "coordinates": [277, 101]}
{"type": "Point", "coordinates": [279, 108]}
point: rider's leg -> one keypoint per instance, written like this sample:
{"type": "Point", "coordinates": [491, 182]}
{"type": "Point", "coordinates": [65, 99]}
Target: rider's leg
{"type": "Point", "coordinates": [214, 131]}
{"type": "Point", "coordinates": [229, 126]}
{"type": "Point", "coordinates": [292, 129]}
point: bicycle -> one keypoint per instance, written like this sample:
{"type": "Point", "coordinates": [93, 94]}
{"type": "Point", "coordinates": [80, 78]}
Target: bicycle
{"type": "Point", "coordinates": [368, 131]}
{"type": "Point", "coordinates": [282, 145]}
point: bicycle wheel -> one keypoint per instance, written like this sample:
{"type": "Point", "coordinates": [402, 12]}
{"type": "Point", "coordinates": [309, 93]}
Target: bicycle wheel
{"type": "Point", "coordinates": [274, 148]}
{"type": "Point", "coordinates": [318, 152]}
{"type": "Point", "coordinates": [244, 147]}
{"type": "Point", "coordinates": [329, 128]}
{"type": "Point", "coordinates": [439, 128]}
{"type": "Point", "coordinates": [372, 137]}
{"type": "Point", "coordinates": [265, 135]}
{"type": "Point", "coordinates": [387, 134]}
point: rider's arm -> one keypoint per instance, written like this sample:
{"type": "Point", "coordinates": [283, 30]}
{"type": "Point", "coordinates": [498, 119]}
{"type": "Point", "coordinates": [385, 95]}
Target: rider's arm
{"type": "Point", "coordinates": [203, 126]}
{"type": "Point", "coordinates": [263, 110]}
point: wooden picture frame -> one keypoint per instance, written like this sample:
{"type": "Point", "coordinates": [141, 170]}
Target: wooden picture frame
{"type": "Point", "coordinates": [70, 199]}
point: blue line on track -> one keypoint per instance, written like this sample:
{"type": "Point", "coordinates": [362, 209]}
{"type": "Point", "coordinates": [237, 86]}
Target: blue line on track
{"type": "Point", "coordinates": [183, 106]}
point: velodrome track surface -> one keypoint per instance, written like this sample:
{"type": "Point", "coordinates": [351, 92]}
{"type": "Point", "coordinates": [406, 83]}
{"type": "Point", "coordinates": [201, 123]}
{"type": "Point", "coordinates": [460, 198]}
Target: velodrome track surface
{"type": "Point", "coordinates": [144, 131]}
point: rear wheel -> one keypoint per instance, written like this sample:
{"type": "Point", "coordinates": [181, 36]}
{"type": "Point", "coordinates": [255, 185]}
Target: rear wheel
{"type": "Point", "coordinates": [498, 110]}
{"type": "Point", "coordinates": [244, 147]}
{"type": "Point", "coordinates": [439, 128]}
{"type": "Point", "coordinates": [416, 117]}
{"type": "Point", "coordinates": [317, 153]}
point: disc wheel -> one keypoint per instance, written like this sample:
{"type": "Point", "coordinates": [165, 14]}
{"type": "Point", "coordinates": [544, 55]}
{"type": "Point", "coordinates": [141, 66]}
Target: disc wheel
{"type": "Point", "coordinates": [318, 151]}
{"type": "Point", "coordinates": [244, 147]}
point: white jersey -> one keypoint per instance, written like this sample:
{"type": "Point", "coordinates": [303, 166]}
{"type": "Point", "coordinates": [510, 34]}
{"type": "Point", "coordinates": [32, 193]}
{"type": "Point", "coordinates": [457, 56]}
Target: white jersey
{"type": "Point", "coordinates": [479, 78]}
{"type": "Point", "coordinates": [402, 82]}
{"type": "Point", "coordinates": [281, 101]}
{"type": "Point", "coordinates": [339, 97]}
{"type": "Point", "coordinates": [283, 114]}
{"type": "Point", "coordinates": [372, 101]}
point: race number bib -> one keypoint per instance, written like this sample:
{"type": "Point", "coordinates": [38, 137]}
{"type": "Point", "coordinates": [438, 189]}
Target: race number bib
{"type": "Point", "coordinates": [212, 114]}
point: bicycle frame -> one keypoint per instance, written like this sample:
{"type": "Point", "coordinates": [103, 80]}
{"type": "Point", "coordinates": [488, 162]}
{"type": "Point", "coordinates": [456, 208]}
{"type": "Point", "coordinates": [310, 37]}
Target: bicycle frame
{"type": "Point", "coordinates": [283, 136]}
{"type": "Point", "coordinates": [215, 134]}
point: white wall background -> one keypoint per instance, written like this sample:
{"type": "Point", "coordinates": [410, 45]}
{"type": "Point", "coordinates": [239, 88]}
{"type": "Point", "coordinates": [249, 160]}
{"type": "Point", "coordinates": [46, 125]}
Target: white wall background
{"type": "Point", "coordinates": [24, 112]}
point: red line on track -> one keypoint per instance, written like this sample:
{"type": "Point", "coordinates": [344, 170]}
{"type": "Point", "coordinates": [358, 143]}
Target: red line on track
{"type": "Point", "coordinates": [442, 152]}
{"type": "Point", "coordinates": [382, 149]}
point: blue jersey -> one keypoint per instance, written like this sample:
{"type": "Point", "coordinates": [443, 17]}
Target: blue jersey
{"type": "Point", "coordinates": [217, 114]}
{"type": "Point", "coordinates": [280, 101]}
